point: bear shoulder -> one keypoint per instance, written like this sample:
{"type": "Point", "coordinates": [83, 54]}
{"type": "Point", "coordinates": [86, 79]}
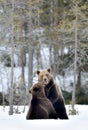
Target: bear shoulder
{"type": "Point", "coordinates": [35, 101]}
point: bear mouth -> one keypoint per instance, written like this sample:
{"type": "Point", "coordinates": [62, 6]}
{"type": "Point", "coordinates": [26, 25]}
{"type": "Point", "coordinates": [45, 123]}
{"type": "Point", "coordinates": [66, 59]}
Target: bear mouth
{"type": "Point", "coordinates": [45, 82]}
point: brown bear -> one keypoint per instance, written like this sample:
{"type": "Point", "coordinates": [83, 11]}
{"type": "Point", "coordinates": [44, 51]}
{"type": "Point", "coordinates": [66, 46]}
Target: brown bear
{"type": "Point", "coordinates": [53, 92]}
{"type": "Point", "coordinates": [41, 107]}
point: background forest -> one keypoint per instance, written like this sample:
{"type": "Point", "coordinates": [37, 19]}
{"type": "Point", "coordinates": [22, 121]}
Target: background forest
{"type": "Point", "coordinates": [37, 34]}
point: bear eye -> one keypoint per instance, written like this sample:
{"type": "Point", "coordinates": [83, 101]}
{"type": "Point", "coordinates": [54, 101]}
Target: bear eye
{"type": "Point", "coordinates": [47, 75]}
{"type": "Point", "coordinates": [35, 89]}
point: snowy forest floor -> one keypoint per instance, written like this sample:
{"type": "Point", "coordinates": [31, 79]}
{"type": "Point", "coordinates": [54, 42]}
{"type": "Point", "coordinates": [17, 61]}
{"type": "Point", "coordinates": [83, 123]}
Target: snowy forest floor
{"type": "Point", "coordinates": [19, 122]}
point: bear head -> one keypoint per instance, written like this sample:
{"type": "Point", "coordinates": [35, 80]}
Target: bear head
{"type": "Point", "coordinates": [37, 90]}
{"type": "Point", "coordinates": [44, 76]}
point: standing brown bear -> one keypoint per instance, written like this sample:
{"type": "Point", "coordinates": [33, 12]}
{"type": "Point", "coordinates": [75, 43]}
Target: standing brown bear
{"type": "Point", "coordinates": [53, 92]}
{"type": "Point", "coordinates": [41, 107]}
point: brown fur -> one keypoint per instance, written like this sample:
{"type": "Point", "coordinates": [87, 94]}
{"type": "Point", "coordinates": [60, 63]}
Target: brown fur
{"type": "Point", "coordinates": [41, 107]}
{"type": "Point", "coordinates": [53, 92]}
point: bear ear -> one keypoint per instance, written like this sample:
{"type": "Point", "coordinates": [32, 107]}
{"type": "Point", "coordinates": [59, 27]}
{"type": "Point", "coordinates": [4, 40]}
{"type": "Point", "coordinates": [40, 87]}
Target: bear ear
{"type": "Point", "coordinates": [49, 70]}
{"type": "Point", "coordinates": [37, 72]}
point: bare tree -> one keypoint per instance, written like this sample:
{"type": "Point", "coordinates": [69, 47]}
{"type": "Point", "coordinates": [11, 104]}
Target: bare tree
{"type": "Point", "coordinates": [12, 62]}
{"type": "Point", "coordinates": [30, 48]}
{"type": "Point", "coordinates": [75, 58]}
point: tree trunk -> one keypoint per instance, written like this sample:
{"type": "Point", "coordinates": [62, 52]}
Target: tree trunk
{"type": "Point", "coordinates": [51, 26]}
{"type": "Point", "coordinates": [12, 63]}
{"type": "Point", "coordinates": [55, 52]}
{"type": "Point", "coordinates": [30, 67]}
{"type": "Point", "coordinates": [55, 64]}
{"type": "Point", "coordinates": [23, 62]}
{"type": "Point", "coordinates": [30, 47]}
{"type": "Point", "coordinates": [79, 82]}
{"type": "Point", "coordinates": [75, 60]}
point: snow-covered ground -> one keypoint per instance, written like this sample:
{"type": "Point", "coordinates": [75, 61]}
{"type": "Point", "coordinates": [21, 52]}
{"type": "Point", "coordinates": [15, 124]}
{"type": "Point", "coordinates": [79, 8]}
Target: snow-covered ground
{"type": "Point", "coordinates": [18, 121]}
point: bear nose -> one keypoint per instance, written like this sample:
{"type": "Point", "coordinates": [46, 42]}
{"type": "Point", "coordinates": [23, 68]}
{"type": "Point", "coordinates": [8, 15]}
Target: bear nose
{"type": "Point", "coordinates": [45, 79]}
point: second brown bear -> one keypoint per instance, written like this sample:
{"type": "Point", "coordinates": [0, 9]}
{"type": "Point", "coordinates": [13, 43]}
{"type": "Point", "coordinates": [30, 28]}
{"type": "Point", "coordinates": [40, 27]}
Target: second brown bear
{"type": "Point", "coordinates": [41, 107]}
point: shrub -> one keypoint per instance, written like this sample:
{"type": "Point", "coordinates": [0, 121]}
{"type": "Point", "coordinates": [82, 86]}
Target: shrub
{"type": "Point", "coordinates": [5, 58]}
{"type": "Point", "coordinates": [82, 99]}
{"type": "Point", "coordinates": [67, 96]}
{"type": "Point", "coordinates": [1, 98]}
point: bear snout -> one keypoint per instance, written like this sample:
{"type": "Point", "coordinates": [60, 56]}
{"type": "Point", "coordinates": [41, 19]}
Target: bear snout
{"type": "Point", "coordinates": [45, 79]}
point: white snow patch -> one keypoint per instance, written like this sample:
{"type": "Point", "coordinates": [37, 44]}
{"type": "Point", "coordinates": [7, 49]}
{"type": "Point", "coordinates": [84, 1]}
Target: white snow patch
{"type": "Point", "coordinates": [19, 122]}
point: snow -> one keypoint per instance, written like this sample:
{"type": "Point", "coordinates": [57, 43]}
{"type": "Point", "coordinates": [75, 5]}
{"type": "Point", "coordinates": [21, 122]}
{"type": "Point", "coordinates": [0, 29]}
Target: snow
{"type": "Point", "coordinates": [19, 122]}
